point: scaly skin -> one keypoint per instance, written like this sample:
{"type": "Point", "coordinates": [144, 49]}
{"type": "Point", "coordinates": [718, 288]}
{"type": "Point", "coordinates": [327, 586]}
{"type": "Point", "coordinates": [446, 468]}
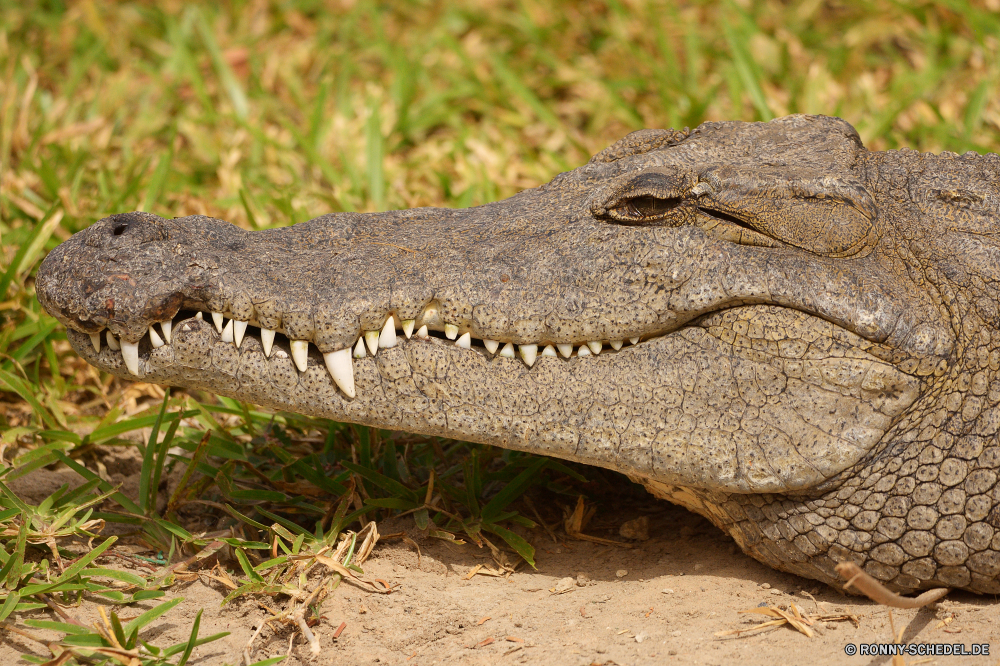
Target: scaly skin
{"type": "Point", "coordinates": [816, 332]}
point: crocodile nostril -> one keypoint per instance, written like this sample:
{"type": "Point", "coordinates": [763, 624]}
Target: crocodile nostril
{"type": "Point", "coordinates": [120, 228]}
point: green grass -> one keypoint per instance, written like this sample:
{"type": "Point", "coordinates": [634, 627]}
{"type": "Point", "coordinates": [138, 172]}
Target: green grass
{"type": "Point", "coordinates": [268, 114]}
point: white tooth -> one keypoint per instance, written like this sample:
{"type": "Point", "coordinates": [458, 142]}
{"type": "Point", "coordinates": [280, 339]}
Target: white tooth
{"type": "Point", "coordinates": [359, 349]}
{"type": "Point", "coordinates": [227, 332]}
{"type": "Point", "coordinates": [197, 315]}
{"type": "Point", "coordinates": [617, 344]}
{"type": "Point", "coordinates": [167, 327]}
{"type": "Point", "coordinates": [300, 354]}
{"type": "Point", "coordinates": [217, 318]}
{"type": "Point", "coordinates": [584, 351]}
{"type": "Point", "coordinates": [387, 338]}
{"type": "Point", "coordinates": [528, 353]}
{"type": "Point", "coordinates": [341, 369]}
{"type": "Point", "coordinates": [507, 351]}
{"type": "Point", "coordinates": [634, 340]}
{"type": "Point", "coordinates": [371, 339]}
{"type": "Point", "coordinates": [267, 340]}
{"type": "Point", "coordinates": [450, 331]}
{"type": "Point", "coordinates": [130, 354]}
{"type": "Point", "coordinates": [565, 350]}
{"type": "Point", "coordinates": [408, 327]}
{"type": "Point", "coordinates": [465, 342]}
{"type": "Point", "coordinates": [95, 340]}
{"type": "Point", "coordinates": [422, 333]}
{"type": "Point", "coordinates": [549, 351]}
{"type": "Point", "coordinates": [239, 328]}
{"type": "Point", "coordinates": [491, 346]}
{"type": "Point", "coordinates": [155, 339]}
{"type": "Point", "coordinates": [280, 353]}
{"type": "Point", "coordinates": [113, 342]}
{"type": "Point", "coordinates": [595, 346]}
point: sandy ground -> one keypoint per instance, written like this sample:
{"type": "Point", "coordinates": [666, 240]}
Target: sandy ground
{"type": "Point", "coordinates": [661, 602]}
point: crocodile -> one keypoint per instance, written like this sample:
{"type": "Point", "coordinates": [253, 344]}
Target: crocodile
{"type": "Point", "coordinates": [767, 323]}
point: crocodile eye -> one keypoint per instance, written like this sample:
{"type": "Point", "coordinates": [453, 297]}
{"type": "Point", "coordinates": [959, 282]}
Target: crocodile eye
{"type": "Point", "coordinates": [643, 209]}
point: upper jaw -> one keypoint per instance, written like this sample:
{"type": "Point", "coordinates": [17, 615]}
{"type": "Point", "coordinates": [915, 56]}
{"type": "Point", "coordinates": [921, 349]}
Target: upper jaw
{"type": "Point", "coordinates": [559, 282]}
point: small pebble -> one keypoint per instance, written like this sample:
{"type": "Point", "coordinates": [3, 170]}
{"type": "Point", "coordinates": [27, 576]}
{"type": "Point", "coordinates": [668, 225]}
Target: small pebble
{"type": "Point", "coordinates": [621, 573]}
{"type": "Point", "coordinates": [667, 591]}
{"type": "Point", "coordinates": [640, 637]}
{"type": "Point", "coordinates": [565, 584]}
{"type": "Point", "coordinates": [776, 592]}
{"type": "Point", "coordinates": [765, 586]}
{"type": "Point", "coordinates": [637, 529]}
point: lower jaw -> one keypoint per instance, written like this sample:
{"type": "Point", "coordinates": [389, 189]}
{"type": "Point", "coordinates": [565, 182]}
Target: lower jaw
{"type": "Point", "coordinates": [669, 408]}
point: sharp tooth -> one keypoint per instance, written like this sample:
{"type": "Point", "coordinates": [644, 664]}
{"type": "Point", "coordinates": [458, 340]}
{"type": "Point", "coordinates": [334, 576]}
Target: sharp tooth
{"type": "Point", "coordinates": [95, 339]}
{"type": "Point", "coordinates": [113, 342]}
{"type": "Point", "coordinates": [359, 349]}
{"type": "Point", "coordinates": [341, 369]}
{"type": "Point", "coordinates": [300, 354]}
{"type": "Point", "coordinates": [227, 332]}
{"type": "Point", "coordinates": [491, 346]}
{"type": "Point", "coordinates": [450, 331]}
{"type": "Point", "coordinates": [408, 327]}
{"type": "Point", "coordinates": [371, 339]}
{"type": "Point", "coordinates": [565, 350]}
{"type": "Point", "coordinates": [239, 328]}
{"type": "Point", "coordinates": [528, 353]}
{"type": "Point", "coordinates": [549, 351]}
{"type": "Point", "coordinates": [167, 327]}
{"type": "Point", "coordinates": [197, 315]}
{"type": "Point", "coordinates": [634, 340]}
{"type": "Point", "coordinates": [617, 344]}
{"type": "Point", "coordinates": [266, 340]}
{"type": "Point", "coordinates": [584, 351]}
{"type": "Point", "coordinates": [595, 346]}
{"type": "Point", "coordinates": [155, 339]}
{"type": "Point", "coordinates": [387, 338]}
{"type": "Point", "coordinates": [217, 318]}
{"type": "Point", "coordinates": [422, 333]}
{"type": "Point", "coordinates": [465, 342]}
{"type": "Point", "coordinates": [130, 354]}
{"type": "Point", "coordinates": [507, 351]}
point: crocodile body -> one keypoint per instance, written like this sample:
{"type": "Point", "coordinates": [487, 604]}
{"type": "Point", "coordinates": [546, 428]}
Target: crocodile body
{"type": "Point", "coordinates": [764, 322]}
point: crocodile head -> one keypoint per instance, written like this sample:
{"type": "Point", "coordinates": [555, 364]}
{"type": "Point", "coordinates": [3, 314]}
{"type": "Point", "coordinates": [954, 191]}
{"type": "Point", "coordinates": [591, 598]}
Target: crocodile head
{"type": "Point", "coordinates": [764, 322]}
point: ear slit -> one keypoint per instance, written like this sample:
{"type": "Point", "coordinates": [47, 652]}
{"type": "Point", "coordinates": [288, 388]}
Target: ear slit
{"type": "Point", "coordinates": [718, 214]}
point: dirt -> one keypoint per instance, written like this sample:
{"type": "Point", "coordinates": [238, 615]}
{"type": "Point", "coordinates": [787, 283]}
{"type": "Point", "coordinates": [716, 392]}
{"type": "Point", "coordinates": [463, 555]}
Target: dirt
{"type": "Point", "coordinates": [660, 602]}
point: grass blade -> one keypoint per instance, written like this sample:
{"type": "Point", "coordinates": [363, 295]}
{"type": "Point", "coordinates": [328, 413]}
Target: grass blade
{"type": "Point", "coordinates": [513, 490]}
{"type": "Point", "coordinates": [150, 462]}
{"type": "Point", "coordinates": [150, 615]}
{"type": "Point", "coordinates": [192, 641]}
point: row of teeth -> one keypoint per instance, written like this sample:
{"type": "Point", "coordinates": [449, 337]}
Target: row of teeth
{"type": "Point", "coordinates": [339, 362]}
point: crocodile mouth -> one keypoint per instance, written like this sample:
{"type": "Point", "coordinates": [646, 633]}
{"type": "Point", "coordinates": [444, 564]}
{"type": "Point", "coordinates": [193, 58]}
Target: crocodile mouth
{"type": "Point", "coordinates": [274, 342]}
